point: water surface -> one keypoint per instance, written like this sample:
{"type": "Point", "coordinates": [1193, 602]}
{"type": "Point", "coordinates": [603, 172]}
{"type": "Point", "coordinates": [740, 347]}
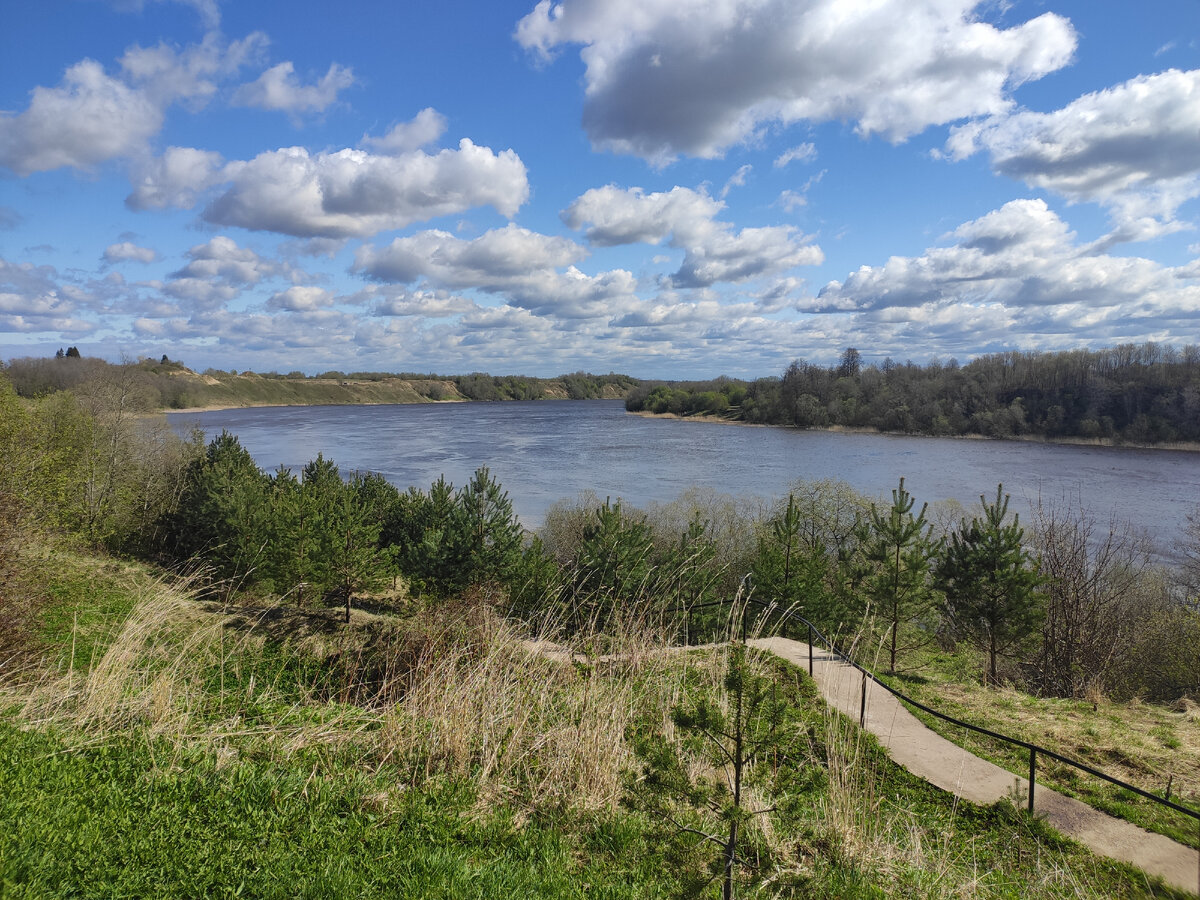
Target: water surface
{"type": "Point", "coordinates": [542, 451]}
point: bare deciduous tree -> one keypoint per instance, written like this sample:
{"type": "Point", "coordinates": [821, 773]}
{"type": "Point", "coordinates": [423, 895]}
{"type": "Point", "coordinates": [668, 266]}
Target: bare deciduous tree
{"type": "Point", "coordinates": [1089, 570]}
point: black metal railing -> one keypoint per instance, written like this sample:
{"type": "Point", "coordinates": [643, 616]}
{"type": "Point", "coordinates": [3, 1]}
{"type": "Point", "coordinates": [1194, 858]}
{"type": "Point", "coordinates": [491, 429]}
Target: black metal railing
{"type": "Point", "coordinates": [1034, 749]}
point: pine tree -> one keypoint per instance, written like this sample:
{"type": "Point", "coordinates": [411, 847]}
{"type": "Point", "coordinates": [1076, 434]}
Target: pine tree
{"type": "Point", "coordinates": [697, 784]}
{"type": "Point", "coordinates": [222, 513]}
{"type": "Point", "coordinates": [895, 549]}
{"type": "Point", "coordinates": [990, 583]}
{"type": "Point", "coordinates": [613, 566]}
{"type": "Point", "coordinates": [487, 529]}
{"type": "Point", "coordinates": [791, 570]}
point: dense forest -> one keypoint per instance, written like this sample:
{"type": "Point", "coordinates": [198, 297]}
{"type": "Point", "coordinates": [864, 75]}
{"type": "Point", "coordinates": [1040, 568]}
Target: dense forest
{"type": "Point", "coordinates": [1139, 394]}
{"type": "Point", "coordinates": [169, 384]}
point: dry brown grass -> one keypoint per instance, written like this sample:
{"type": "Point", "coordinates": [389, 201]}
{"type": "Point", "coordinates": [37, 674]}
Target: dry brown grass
{"type": "Point", "coordinates": [148, 676]}
{"type": "Point", "coordinates": [456, 691]}
{"type": "Point", "coordinates": [1141, 743]}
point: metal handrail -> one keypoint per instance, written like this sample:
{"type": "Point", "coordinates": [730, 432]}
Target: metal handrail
{"type": "Point", "coordinates": [1033, 749]}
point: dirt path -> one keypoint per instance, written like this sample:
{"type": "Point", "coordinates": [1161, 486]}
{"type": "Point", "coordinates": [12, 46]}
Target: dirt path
{"type": "Point", "coordinates": [931, 756]}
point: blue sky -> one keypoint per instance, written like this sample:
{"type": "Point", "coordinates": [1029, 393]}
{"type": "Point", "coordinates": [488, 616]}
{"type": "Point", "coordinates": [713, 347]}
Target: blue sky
{"type": "Point", "coordinates": [667, 188]}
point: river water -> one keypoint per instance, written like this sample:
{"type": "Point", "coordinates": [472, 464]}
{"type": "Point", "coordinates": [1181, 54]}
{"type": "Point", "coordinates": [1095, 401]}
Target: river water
{"type": "Point", "coordinates": [543, 451]}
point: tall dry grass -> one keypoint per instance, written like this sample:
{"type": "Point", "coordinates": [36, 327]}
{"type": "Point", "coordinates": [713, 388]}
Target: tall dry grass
{"type": "Point", "coordinates": [149, 675]}
{"type": "Point", "coordinates": [456, 691]}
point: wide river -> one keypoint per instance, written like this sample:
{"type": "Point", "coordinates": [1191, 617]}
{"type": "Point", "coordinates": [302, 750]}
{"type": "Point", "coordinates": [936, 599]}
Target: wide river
{"type": "Point", "coordinates": [544, 451]}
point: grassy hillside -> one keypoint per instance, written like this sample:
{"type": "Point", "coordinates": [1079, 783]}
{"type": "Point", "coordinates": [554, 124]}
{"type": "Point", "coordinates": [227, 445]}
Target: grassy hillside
{"type": "Point", "coordinates": [1149, 745]}
{"type": "Point", "coordinates": [169, 745]}
{"type": "Point", "coordinates": [171, 385]}
{"type": "Point", "coordinates": [186, 389]}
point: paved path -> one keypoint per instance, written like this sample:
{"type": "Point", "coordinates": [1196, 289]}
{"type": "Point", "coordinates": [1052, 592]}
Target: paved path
{"type": "Point", "coordinates": [926, 753]}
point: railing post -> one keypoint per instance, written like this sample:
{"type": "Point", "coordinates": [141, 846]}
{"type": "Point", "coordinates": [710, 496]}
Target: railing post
{"type": "Point", "coordinates": [810, 639]}
{"type": "Point", "coordinates": [862, 709]}
{"type": "Point", "coordinates": [1032, 767]}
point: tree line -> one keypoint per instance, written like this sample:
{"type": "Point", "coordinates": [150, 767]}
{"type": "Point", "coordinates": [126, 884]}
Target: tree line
{"type": "Point", "coordinates": [1070, 607]}
{"type": "Point", "coordinates": [169, 384]}
{"type": "Point", "coordinates": [1133, 393]}
{"type": "Point", "coordinates": [1064, 607]}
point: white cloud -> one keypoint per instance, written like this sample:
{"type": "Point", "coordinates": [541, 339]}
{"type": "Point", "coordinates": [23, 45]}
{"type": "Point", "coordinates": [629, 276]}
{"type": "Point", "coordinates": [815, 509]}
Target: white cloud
{"type": "Point", "coordinates": [352, 193]}
{"type": "Point", "coordinates": [484, 262]}
{"type": "Point", "coordinates": [426, 128]}
{"type": "Point", "coordinates": [1135, 148]}
{"type": "Point", "coordinates": [320, 335]}
{"type": "Point", "coordinates": [222, 258]}
{"type": "Point", "coordinates": [300, 298]}
{"type": "Point", "coordinates": [32, 300]}
{"type": "Point", "coordinates": [388, 301]}
{"type": "Point", "coordinates": [220, 270]}
{"type": "Point", "coordinates": [278, 88]}
{"type": "Point", "coordinates": [618, 216]}
{"type": "Point", "coordinates": [1020, 268]}
{"type": "Point", "coordinates": [175, 179]}
{"type": "Point", "coordinates": [695, 76]}
{"type": "Point", "coordinates": [792, 201]}
{"type": "Point", "coordinates": [713, 252]}
{"type": "Point", "coordinates": [805, 152]}
{"type": "Point", "coordinates": [168, 75]}
{"type": "Point", "coordinates": [209, 11]}
{"type": "Point", "coordinates": [752, 252]}
{"type": "Point", "coordinates": [737, 179]}
{"type": "Point", "coordinates": [92, 117]}
{"type": "Point", "coordinates": [519, 264]}
{"type": "Point", "coordinates": [200, 293]}
{"type": "Point", "coordinates": [128, 251]}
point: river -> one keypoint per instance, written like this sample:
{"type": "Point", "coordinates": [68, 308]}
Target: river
{"type": "Point", "coordinates": [543, 451]}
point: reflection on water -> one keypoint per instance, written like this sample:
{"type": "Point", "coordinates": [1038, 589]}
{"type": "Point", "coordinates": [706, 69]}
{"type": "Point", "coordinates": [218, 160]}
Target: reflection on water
{"type": "Point", "coordinates": [546, 450]}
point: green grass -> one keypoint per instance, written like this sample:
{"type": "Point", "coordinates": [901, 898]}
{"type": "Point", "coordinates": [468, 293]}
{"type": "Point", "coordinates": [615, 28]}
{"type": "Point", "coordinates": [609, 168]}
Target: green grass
{"type": "Point", "coordinates": [235, 765]}
{"type": "Point", "coordinates": [109, 822]}
{"type": "Point", "coordinates": [1139, 743]}
{"type": "Point", "coordinates": [86, 598]}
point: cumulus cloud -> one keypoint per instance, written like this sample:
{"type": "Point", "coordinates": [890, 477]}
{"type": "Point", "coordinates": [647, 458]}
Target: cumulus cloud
{"type": "Point", "coordinates": [1021, 266]}
{"type": "Point", "coordinates": [426, 128]}
{"type": "Point", "coordinates": [519, 264]}
{"type": "Point", "coordinates": [166, 74]}
{"type": "Point", "coordinates": [92, 116]}
{"type": "Point", "coordinates": [1135, 148]}
{"type": "Point", "coordinates": [127, 251]}
{"type": "Point", "coordinates": [353, 193]}
{"type": "Point", "coordinates": [218, 272]}
{"type": "Point", "coordinates": [321, 335]}
{"type": "Point", "coordinates": [300, 298]}
{"type": "Point", "coordinates": [713, 252]}
{"type": "Point", "coordinates": [223, 258]}
{"type": "Point", "coordinates": [279, 89]}
{"type": "Point", "coordinates": [488, 260]}
{"type": "Point", "coordinates": [32, 300]}
{"type": "Point", "coordinates": [403, 302]}
{"type": "Point", "coordinates": [175, 179]}
{"type": "Point", "coordinates": [665, 77]}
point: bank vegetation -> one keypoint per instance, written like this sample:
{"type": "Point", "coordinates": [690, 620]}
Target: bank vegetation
{"type": "Point", "coordinates": [366, 690]}
{"type": "Point", "coordinates": [1144, 394]}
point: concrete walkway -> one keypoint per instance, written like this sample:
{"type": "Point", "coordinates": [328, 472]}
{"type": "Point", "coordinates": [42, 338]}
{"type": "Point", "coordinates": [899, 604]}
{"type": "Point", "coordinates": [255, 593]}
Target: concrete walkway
{"type": "Point", "coordinates": [927, 754]}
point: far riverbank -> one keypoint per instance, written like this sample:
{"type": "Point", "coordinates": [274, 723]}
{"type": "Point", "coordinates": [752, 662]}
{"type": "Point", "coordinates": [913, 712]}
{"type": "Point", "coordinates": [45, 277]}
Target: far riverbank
{"type": "Point", "coordinates": [1185, 446]}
